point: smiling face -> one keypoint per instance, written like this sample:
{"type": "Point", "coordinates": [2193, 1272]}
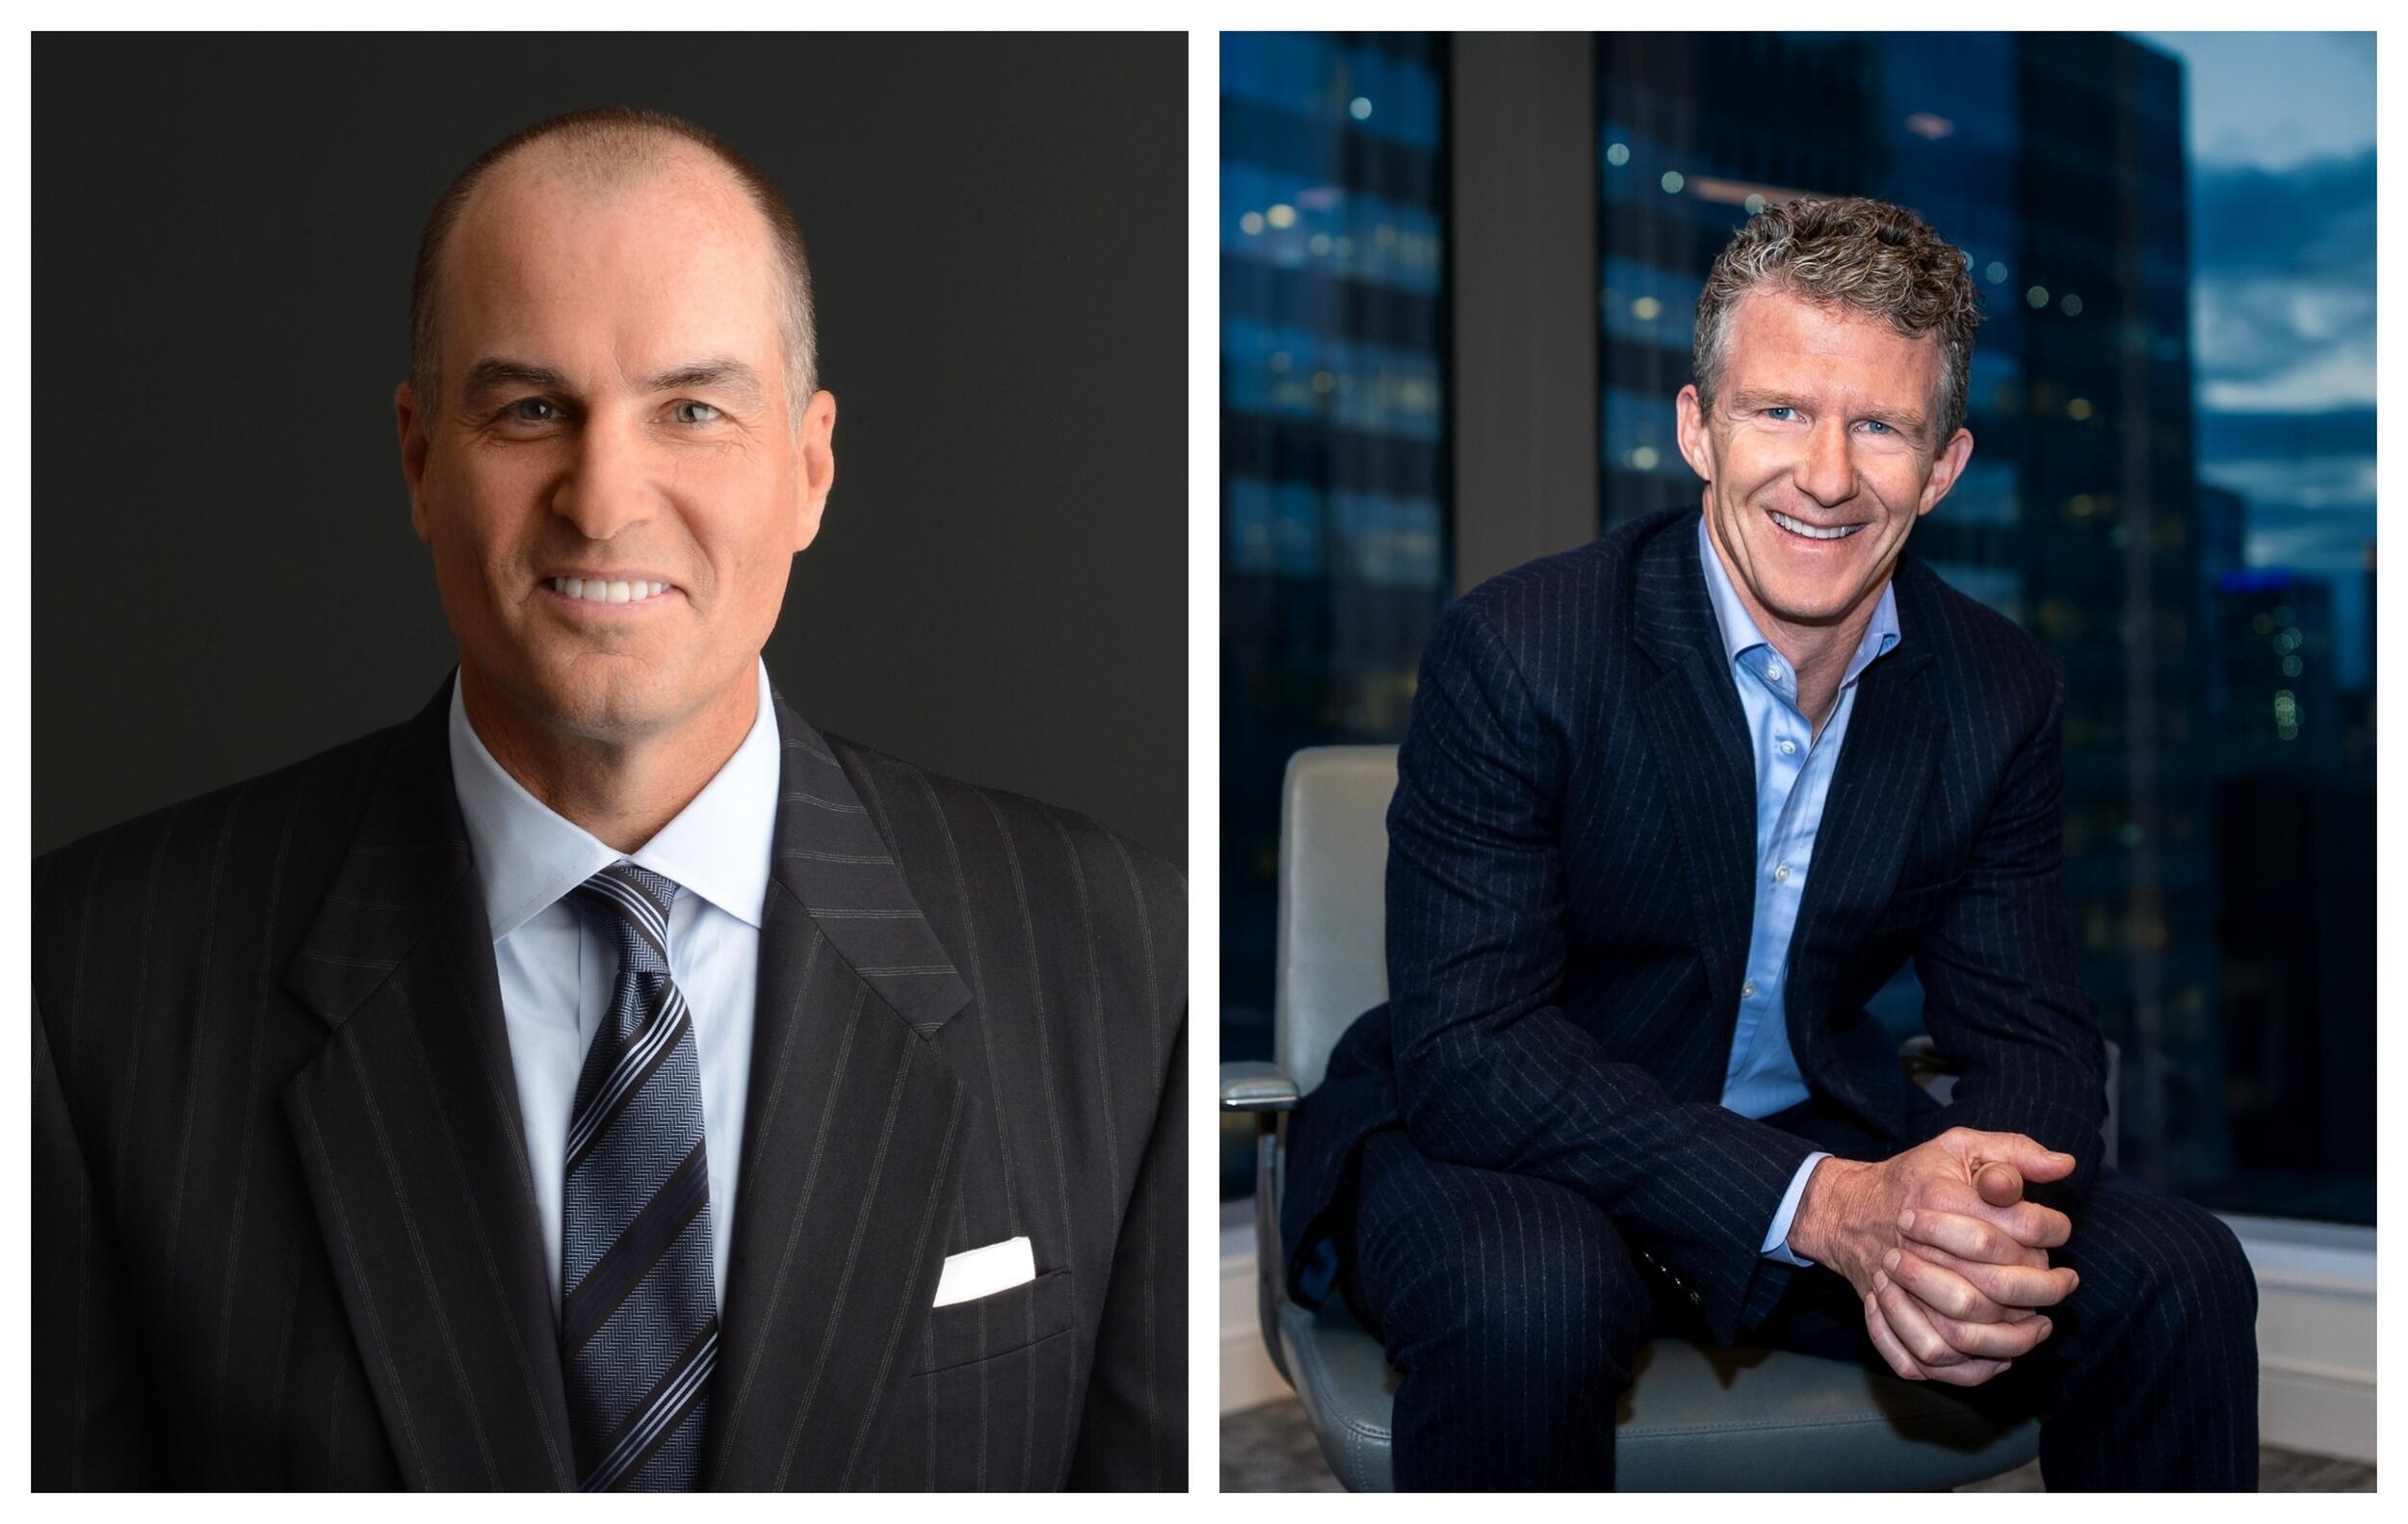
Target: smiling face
{"type": "Point", "coordinates": [1818, 456]}
{"type": "Point", "coordinates": [614, 411]}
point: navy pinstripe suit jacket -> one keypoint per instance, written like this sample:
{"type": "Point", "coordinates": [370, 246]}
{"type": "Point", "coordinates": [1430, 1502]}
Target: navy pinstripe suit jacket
{"type": "Point", "coordinates": [284, 1233]}
{"type": "Point", "coordinates": [1570, 880]}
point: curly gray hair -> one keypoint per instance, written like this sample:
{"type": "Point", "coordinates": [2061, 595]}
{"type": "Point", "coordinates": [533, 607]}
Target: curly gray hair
{"type": "Point", "coordinates": [1867, 255]}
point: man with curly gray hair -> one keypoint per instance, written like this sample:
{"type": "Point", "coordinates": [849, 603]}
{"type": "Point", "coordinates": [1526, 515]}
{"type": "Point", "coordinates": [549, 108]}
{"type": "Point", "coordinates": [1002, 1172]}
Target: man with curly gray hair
{"type": "Point", "coordinates": [1670, 810]}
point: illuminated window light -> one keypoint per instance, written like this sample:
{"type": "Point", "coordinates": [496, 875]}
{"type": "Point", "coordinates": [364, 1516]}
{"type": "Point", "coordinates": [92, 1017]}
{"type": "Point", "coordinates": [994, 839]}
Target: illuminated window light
{"type": "Point", "coordinates": [1359, 108]}
{"type": "Point", "coordinates": [1617, 154]}
{"type": "Point", "coordinates": [1646, 308]}
{"type": "Point", "coordinates": [1281, 216]}
{"type": "Point", "coordinates": [1250, 223]}
{"type": "Point", "coordinates": [1672, 183]}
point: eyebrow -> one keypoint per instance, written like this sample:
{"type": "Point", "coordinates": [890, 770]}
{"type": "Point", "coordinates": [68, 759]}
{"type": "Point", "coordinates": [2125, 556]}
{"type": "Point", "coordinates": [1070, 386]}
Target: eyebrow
{"type": "Point", "coordinates": [494, 374]}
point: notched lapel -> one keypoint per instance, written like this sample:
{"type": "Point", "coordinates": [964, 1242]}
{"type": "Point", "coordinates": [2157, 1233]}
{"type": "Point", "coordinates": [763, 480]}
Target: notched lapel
{"type": "Point", "coordinates": [852, 1133]}
{"type": "Point", "coordinates": [409, 1130]}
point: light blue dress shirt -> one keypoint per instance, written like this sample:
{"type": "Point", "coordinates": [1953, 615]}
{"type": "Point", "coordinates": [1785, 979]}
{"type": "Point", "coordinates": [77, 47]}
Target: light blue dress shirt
{"type": "Point", "coordinates": [556, 971]}
{"type": "Point", "coordinates": [1794, 769]}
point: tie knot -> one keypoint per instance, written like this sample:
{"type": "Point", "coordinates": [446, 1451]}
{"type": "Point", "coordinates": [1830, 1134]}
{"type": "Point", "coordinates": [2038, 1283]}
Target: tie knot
{"type": "Point", "coordinates": [635, 902]}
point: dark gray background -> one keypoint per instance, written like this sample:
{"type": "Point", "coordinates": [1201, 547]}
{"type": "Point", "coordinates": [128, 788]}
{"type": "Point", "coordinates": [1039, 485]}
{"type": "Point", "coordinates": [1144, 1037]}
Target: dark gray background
{"type": "Point", "coordinates": [226, 579]}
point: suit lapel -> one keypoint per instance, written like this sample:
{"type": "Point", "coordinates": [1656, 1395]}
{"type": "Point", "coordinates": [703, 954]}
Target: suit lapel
{"type": "Point", "coordinates": [852, 1137]}
{"type": "Point", "coordinates": [1698, 736]}
{"type": "Point", "coordinates": [1869, 817]}
{"type": "Point", "coordinates": [408, 1131]}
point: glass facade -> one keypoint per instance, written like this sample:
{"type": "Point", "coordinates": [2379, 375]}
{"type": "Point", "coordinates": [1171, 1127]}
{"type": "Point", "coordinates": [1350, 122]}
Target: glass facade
{"type": "Point", "coordinates": [2220, 782]}
{"type": "Point", "coordinates": [1334, 468]}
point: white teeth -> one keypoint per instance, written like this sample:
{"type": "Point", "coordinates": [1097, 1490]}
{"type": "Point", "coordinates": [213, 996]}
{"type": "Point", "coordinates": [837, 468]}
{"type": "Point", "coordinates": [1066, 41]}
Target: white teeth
{"type": "Point", "coordinates": [1799, 527]}
{"type": "Point", "coordinates": [597, 591]}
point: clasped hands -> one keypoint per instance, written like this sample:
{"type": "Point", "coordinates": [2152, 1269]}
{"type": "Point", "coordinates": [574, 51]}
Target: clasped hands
{"type": "Point", "coordinates": [1950, 1261]}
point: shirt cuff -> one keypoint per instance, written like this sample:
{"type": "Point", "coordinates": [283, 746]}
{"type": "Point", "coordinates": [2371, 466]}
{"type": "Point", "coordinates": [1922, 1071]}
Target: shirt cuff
{"type": "Point", "coordinates": [1777, 1236]}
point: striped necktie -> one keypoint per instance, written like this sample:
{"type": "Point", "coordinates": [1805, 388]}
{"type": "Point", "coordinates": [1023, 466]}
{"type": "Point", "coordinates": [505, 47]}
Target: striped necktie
{"type": "Point", "coordinates": [638, 1319]}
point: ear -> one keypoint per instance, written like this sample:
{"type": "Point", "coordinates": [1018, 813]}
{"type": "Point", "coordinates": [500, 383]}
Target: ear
{"type": "Point", "coordinates": [1689, 426]}
{"type": "Point", "coordinates": [409, 421]}
{"type": "Point", "coordinates": [819, 466]}
{"type": "Point", "coordinates": [1946, 467]}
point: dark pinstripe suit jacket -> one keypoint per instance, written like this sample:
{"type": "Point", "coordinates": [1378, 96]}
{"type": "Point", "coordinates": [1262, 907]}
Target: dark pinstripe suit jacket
{"type": "Point", "coordinates": [1570, 888]}
{"type": "Point", "coordinates": [284, 1233]}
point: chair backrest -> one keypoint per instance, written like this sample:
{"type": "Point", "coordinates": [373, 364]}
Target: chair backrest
{"type": "Point", "coordinates": [1333, 865]}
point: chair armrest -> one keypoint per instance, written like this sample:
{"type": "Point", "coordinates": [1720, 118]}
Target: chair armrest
{"type": "Point", "coordinates": [1256, 1088]}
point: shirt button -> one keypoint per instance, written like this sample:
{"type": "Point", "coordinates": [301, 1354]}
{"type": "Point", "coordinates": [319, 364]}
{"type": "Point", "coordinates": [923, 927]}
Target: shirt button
{"type": "Point", "coordinates": [1772, 671]}
{"type": "Point", "coordinates": [1781, 875]}
{"type": "Point", "coordinates": [1748, 991]}
{"type": "Point", "coordinates": [1789, 749]}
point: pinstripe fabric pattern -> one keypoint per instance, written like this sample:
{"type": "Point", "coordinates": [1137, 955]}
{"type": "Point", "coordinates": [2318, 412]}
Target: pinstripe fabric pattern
{"type": "Point", "coordinates": [1569, 896]}
{"type": "Point", "coordinates": [1514, 1309]}
{"type": "Point", "coordinates": [284, 1230]}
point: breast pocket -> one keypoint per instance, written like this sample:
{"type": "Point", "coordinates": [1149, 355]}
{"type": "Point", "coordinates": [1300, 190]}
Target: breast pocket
{"type": "Point", "coordinates": [996, 1403]}
{"type": "Point", "coordinates": [983, 1328]}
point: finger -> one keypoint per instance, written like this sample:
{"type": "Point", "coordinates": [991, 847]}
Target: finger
{"type": "Point", "coordinates": [1989, 1285]}
{"type": "Point", "coordinates": [1998, 1185]}
{"type": "Point", "coordinates": [2023, 1286]}
{"type": "Point", "coordinates": [1971, 1373]}
{"type": "Point", "coordinates": [1885, 1342]}
{"type": "Point", "coordinates": [1941, 1289]}
{"type": "Point", "coordinates": [2033, 1160]}
{"type": "Point", "coordinates": [1912, 1329]}
{"type": "Point", "coordinates": [1966, 1237]}
{"type": "Point", "coordinates": [2027, 1223]}
{"type": "Point", "coordinates": [1996, 1341]}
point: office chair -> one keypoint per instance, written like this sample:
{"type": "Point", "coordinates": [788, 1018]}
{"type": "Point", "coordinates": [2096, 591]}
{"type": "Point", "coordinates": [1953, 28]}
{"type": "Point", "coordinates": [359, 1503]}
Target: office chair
{"type": "Point", "coordinates": [1697, 1418]}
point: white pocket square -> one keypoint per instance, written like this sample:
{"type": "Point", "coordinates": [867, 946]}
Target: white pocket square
{"type": "Point", "coordinates": [983, 1271]}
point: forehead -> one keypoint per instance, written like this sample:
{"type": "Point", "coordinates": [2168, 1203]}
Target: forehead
{"type": "Point", "coordinates": [545, 259]}
{"type": "Point", "coordinates": [1777, 337]}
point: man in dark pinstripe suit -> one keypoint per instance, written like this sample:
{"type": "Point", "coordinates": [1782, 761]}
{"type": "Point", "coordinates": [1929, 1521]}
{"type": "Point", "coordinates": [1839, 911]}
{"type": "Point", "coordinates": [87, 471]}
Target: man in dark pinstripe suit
{"type": "Point", "coordinates": [1670, 810]}
{"type": "Point", "coordinates": [604, 1079]}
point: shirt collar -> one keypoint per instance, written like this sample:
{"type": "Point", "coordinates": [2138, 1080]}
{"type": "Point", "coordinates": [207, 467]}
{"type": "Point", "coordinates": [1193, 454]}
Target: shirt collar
{"type": "Point", "coordinates": [1737, 627]}
{"type": "Point", "coordinates": [528, 857]}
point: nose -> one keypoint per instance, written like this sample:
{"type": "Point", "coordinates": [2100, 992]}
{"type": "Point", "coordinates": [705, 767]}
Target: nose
{"type": "Point", "coordinates": [1825, 472]}
{"type": "Point", "coordinates": [607, 485]}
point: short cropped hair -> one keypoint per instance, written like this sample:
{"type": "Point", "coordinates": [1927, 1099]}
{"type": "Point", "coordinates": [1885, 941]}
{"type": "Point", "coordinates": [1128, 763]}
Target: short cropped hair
{"type": "Point", "coordinates": [1868, 256]}
{"type": "Point", "coordinates": [608, 144]}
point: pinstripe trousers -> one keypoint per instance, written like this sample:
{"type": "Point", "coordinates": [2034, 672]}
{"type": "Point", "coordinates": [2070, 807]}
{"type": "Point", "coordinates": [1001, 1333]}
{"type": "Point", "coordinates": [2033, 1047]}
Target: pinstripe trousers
{"type": "Point", "coordinates": [1513, 1309]}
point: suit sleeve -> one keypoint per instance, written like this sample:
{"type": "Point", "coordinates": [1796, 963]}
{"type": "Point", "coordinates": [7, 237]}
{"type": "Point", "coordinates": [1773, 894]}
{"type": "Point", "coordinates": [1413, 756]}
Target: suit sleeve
{"type": "Point", "coordinates": [1133, 1436]}
{"type": "Point", "coordinates": [2001, 994]}
{"type": "Point", "coordinates": [91, 1430]}
{"type": "Point", "coordinates": [1491, 1071]}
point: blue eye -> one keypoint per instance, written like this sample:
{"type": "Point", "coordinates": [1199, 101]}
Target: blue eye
{"type": "Point", "coordinates": [1875, 423]}
{"type": "Point", "coordinates": [704, 405]}
{"type": "Point", "coordinates": [518, 416]}
{"type": "Point", "coordinates": [1779, 414]}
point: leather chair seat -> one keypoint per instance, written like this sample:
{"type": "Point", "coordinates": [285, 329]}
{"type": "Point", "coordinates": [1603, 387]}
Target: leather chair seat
{"type": "Point", "coordinates": [1696, 1419]}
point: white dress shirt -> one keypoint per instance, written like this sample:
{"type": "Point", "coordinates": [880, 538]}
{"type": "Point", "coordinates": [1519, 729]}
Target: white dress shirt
{"type": "Point", "coordinates": [557, 972]}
